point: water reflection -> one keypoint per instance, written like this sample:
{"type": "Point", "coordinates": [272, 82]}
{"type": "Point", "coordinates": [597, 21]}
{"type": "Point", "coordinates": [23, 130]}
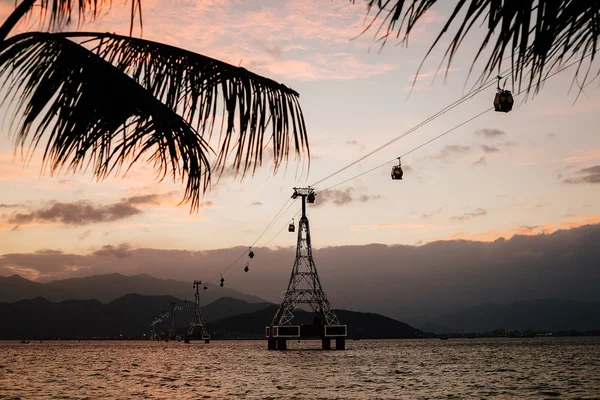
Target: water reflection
{"type": "Point", "coordinates": [411, 369]}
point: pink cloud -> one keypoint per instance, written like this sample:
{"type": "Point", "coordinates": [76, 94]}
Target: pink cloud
{"type": "Point", "coordinates": [285, 40]}
{"type": "Point", "coordinates": [326, 67]}
{"type": "Point", "coordinates": [583, 156]}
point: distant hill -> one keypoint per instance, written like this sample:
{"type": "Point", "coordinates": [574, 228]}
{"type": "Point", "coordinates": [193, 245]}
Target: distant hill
{"type": "Point", "coordinates": [538, 315]}
{"type": "Point", "coordinates": [360, 325]}
{"type": "Point", "coordinates": [130, 316]}
{"type": "Point", "coordinates": [228, 306]}
{"type": "Point", "coordinates": [106, 288]}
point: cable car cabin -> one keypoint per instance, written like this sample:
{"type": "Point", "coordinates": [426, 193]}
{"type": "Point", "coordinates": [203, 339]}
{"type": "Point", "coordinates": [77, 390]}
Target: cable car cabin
{"type": "Point", "coordinates": [292, 227]}
{"type": "Point", "coordinates": [310, 198]}
{"type": "Point", "coordinates": [205, 287]}
{"type": "Point", "coordinates": [251, 253]}
{"type": "Point", "coordinates": [397, 172]}
{"type": "Point", "coordinates": [222, 282]}
{"type": "Point", "coordinates": [503, 102]}
{"type": "Point", "coordinates": [246, 268]}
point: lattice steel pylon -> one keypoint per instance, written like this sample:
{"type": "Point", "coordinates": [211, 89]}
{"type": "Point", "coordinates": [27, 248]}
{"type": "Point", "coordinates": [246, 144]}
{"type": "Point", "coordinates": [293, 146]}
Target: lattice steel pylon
{"type": "Point", "coordinates": [153, 334]}
{"type": "Point", "coordinates": [173, 329]}
{"type": "Point", "coordinates": [197, 321]}
{"type": "Point", "coordinates": [304, 286]}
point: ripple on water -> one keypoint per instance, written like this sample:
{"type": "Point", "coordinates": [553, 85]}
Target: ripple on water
{"type": "Point", "coordinates": [420, 369]}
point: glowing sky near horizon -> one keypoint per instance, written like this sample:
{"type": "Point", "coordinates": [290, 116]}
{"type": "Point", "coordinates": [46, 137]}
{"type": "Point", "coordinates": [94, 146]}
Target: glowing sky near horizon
{"type": "Point", "coordinates": [528, 171]}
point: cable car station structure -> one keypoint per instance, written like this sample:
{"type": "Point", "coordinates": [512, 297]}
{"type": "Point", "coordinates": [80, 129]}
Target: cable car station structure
{"type": "Point", "coordinates": [304, 288]}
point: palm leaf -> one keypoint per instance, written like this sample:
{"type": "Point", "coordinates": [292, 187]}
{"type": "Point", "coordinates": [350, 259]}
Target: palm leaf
{"type": "Point", "coordinates": [59, 13]}
{"type": "Point", "coordinates": [200, 88]}
{"type": "Point", "coordinates": [194, 88]}
{"type": "Point", "coordinates": [536, 35]}
{"type": "Point", "coordinates": [94, 115]}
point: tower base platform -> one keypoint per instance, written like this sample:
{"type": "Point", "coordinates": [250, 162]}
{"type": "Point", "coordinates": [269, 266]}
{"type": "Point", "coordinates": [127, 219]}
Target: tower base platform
{"type": "Point", "coordinates": [277, 336]}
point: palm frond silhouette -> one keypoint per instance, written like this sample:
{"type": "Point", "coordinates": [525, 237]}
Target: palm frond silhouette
{"type": "Point", "coordinates": [536, 35]}
{"type": "Point", "coordinates": [105, 101]}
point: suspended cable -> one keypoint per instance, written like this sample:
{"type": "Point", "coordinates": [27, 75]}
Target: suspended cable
{"type": "Point", "coordinates": [423, 123]}
{"type": "Point", "coordinates": [273, 221]}
{"type": "Point", "coordinates": [269, 225]}
{"type": "Point", "coordinates": [413, 129]}
{"type": "Point", "coordinates": [454, 128]}
{"type": "Point", "coordinates": [267, 244]}
{"type": "Point", "coordinates": [409, 131]}
{"type": "Point", "coordinates": [277, 234]}
{"type": "Point", "coordinates": [418, 147]}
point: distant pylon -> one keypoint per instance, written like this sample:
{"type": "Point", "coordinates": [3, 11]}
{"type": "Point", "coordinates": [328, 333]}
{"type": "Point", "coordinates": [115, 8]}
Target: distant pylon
{"type": "Point", "coordinates": [197, 321]}
{"type": "Point", "coordinates": [153, 334]}
{"type": "Point", "coordinates": [305, 287]}
{"type": "Point", "coordinates": [173, 330]}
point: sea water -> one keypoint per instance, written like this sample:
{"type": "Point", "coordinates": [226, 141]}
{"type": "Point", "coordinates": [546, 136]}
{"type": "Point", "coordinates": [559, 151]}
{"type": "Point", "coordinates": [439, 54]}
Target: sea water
{"type": "Point", "coordinates": [368, 369]}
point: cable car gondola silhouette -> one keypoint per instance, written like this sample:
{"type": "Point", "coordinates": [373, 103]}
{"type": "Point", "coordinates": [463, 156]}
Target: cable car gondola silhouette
{"type": "Point", "coordinates": [397, 172]}
{"type": "Point", "coordinates": [310, 198]}
{"type": "Point", "coordinates": [205, 287]}
{"type": "Point", "coordinates": [247, 267]}
{"type": "Point", "coordinates": [222, 281]}
{"type": "Point", "coordinates": [292, 227]}
{"type": "Point", "coordinates": [250, 252]}
{"type": "Point", "coordinates": [503, 102]}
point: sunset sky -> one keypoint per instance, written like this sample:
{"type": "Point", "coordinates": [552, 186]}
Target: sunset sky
{"type": "Point", "coordinates": [535, 169]}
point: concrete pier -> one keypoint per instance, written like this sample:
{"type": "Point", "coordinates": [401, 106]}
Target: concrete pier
{"type": "Point", "coordinates": [281, 344]}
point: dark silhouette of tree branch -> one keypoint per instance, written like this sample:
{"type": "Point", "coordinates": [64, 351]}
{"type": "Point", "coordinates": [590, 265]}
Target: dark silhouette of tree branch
{"type": "Point", "coordinates": [536, 35]}
{"type": "Point", "coordinates": [59, 13]}
{"type": "Point", "coordinates": [105, 101]}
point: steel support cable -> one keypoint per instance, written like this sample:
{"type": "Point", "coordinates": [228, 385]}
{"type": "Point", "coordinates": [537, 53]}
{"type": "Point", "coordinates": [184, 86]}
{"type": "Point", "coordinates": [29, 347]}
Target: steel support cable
{"type": "Point", "coordinates": [466, 97]}
{"type": "Point", "coordinates": [273, 238]}
{"type": "Point", "coordinates": [416, 127]}
{"type": "Point", "coordinates": [454, 128]}
{"type": "Point", "coordinates": [449, 107]}
{"type": "Point", "coordinates": [418, 147]}
{"type": "Point", "coordinates": [267, 244]}
{"type": "Point", "coordinates": [275, 218]}
{"type": "Point", "coordinates": [443, 111]}
{"type": "Point", "coordinates": [273, 221]}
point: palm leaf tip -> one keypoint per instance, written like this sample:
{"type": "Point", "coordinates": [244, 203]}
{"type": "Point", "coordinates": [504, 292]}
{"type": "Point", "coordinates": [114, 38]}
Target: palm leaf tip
{"type": "Point", "coordinates": [91, 115]}
{"type": "Point", "coordinates": [536, 35]}
{"type": "Point", "coordinates": [58, 13]}
{"type": "Point", "coordinates": [255, 110]}
{"type": "Point", "coordinates": [61, 11]}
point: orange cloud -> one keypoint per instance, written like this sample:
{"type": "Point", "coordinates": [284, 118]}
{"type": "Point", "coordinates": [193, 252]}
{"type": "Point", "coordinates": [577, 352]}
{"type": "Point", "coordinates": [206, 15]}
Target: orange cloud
{"type": "Point", "coordinates": [13, 168]}
{"type": "Point", "coordinates": [583, 156]}
{"type": "Point", "coordinates": [26, 272]}
{"type": "Point", "coordinates": [546, 228]}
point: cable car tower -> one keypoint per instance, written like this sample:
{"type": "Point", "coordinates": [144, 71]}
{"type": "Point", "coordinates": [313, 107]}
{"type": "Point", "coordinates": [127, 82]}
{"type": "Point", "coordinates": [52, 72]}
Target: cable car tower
{"type": "Point", "coordinates": [172, 335]}
{"type": "Point", "coordinates": [197, 321]}
{"type": "Point", "coordinates": [305, 287]}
